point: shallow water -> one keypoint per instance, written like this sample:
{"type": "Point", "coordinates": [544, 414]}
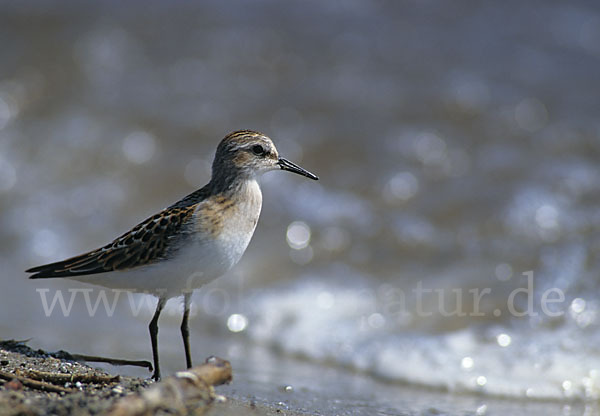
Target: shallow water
{"type": "Point", "coordinates": [458, 149]}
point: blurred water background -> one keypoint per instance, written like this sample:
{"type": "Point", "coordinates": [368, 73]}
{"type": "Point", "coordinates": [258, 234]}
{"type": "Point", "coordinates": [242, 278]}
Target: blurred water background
{"type": "Point", "coordinates": [457, 145]}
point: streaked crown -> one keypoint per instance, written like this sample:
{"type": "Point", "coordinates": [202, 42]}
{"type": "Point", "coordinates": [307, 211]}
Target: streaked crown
{"type": "Point", "coordinates": [245, 153]}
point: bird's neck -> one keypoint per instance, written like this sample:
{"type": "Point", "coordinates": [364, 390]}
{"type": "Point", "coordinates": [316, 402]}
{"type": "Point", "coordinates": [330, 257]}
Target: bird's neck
{"type": "Point", "coordinates": [233, 185]}
{"type": "Point", "coordinates": [228, 178]}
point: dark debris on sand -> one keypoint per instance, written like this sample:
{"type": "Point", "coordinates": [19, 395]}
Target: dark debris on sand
{"type": "Point", "coordinates": [35, 382]}
{"type": "Point", "coordinates": [80, 389]}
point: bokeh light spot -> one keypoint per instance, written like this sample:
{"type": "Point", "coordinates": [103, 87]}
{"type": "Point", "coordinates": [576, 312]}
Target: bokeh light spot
{"type": "Point", "coordinates": [504, 272]}
{"type": "Point", "coordinates": [237, 322]}
{"type": "Point", "coordinates": [402, 186]}
{"type": "Point", "coordinates": [531, 114]}
{"type": "Point", "coordinates": [139, 147]}
{"type": "Point", "coordinates": [503, 340]}
{"type": "Point", "coordinates": [298, 235]}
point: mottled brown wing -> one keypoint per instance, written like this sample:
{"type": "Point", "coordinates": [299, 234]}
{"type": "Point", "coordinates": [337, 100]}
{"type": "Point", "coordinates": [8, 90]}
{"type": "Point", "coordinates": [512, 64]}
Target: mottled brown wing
{"type": "Point", "coordinates": [154, 239]}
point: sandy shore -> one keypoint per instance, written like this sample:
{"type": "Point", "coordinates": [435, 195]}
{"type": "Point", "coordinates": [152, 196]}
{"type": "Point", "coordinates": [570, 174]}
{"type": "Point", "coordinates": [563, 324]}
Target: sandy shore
{"type": "Point", "coordinates": [37, 382]}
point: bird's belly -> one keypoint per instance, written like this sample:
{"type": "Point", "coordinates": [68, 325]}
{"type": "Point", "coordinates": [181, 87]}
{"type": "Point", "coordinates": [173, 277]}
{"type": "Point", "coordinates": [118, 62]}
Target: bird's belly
{"type": "Point", "coordinates": [206, 260]}
{"type": "Point", "coordinates": [196, 264]}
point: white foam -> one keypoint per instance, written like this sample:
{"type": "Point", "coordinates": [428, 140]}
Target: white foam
{"type": "Point", "coordinates": [513, 361]}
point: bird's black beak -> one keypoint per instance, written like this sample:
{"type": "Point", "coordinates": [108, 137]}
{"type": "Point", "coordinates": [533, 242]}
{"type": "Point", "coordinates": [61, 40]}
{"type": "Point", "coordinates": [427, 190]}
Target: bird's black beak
{"type": "Point", "coordinates": [285, 164]}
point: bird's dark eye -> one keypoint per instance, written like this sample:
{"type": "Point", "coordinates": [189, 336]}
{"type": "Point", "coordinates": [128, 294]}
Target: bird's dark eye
{"type": "Point", "coordinates": [258, 150]}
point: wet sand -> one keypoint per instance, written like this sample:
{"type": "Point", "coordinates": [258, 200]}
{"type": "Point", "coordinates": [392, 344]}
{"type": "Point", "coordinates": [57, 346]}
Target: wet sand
{"type": "Point", "coordinates": [312, 390]}
{"type": "Point", "coordinates": [91, 391]}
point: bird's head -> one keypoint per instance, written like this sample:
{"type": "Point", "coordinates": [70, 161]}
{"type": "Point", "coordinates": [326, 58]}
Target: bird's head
{"type": "Point", "coordinates": [250, 153]}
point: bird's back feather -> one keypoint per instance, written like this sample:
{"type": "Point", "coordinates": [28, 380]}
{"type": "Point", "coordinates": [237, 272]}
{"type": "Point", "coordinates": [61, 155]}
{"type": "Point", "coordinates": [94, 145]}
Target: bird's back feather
{"type": "Point", "coordinates": [154, 239]}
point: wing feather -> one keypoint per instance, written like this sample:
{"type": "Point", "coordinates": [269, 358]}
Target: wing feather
{"type": "Point", "coordinates": [154, 239]}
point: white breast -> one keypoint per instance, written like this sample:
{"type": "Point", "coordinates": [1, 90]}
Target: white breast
{"type": "Point", "coordinates": [239, 226]}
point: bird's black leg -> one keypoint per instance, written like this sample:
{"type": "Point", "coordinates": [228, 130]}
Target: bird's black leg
{"type": "Point", "coordinates": [185, 331]}
{"type": "Point", "coordinates": [153, 327]}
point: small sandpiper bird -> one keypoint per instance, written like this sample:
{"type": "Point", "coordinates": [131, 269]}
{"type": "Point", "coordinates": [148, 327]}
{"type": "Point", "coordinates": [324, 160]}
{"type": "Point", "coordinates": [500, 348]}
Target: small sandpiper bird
{"type": "Point", "coordinates": [190, 243]}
